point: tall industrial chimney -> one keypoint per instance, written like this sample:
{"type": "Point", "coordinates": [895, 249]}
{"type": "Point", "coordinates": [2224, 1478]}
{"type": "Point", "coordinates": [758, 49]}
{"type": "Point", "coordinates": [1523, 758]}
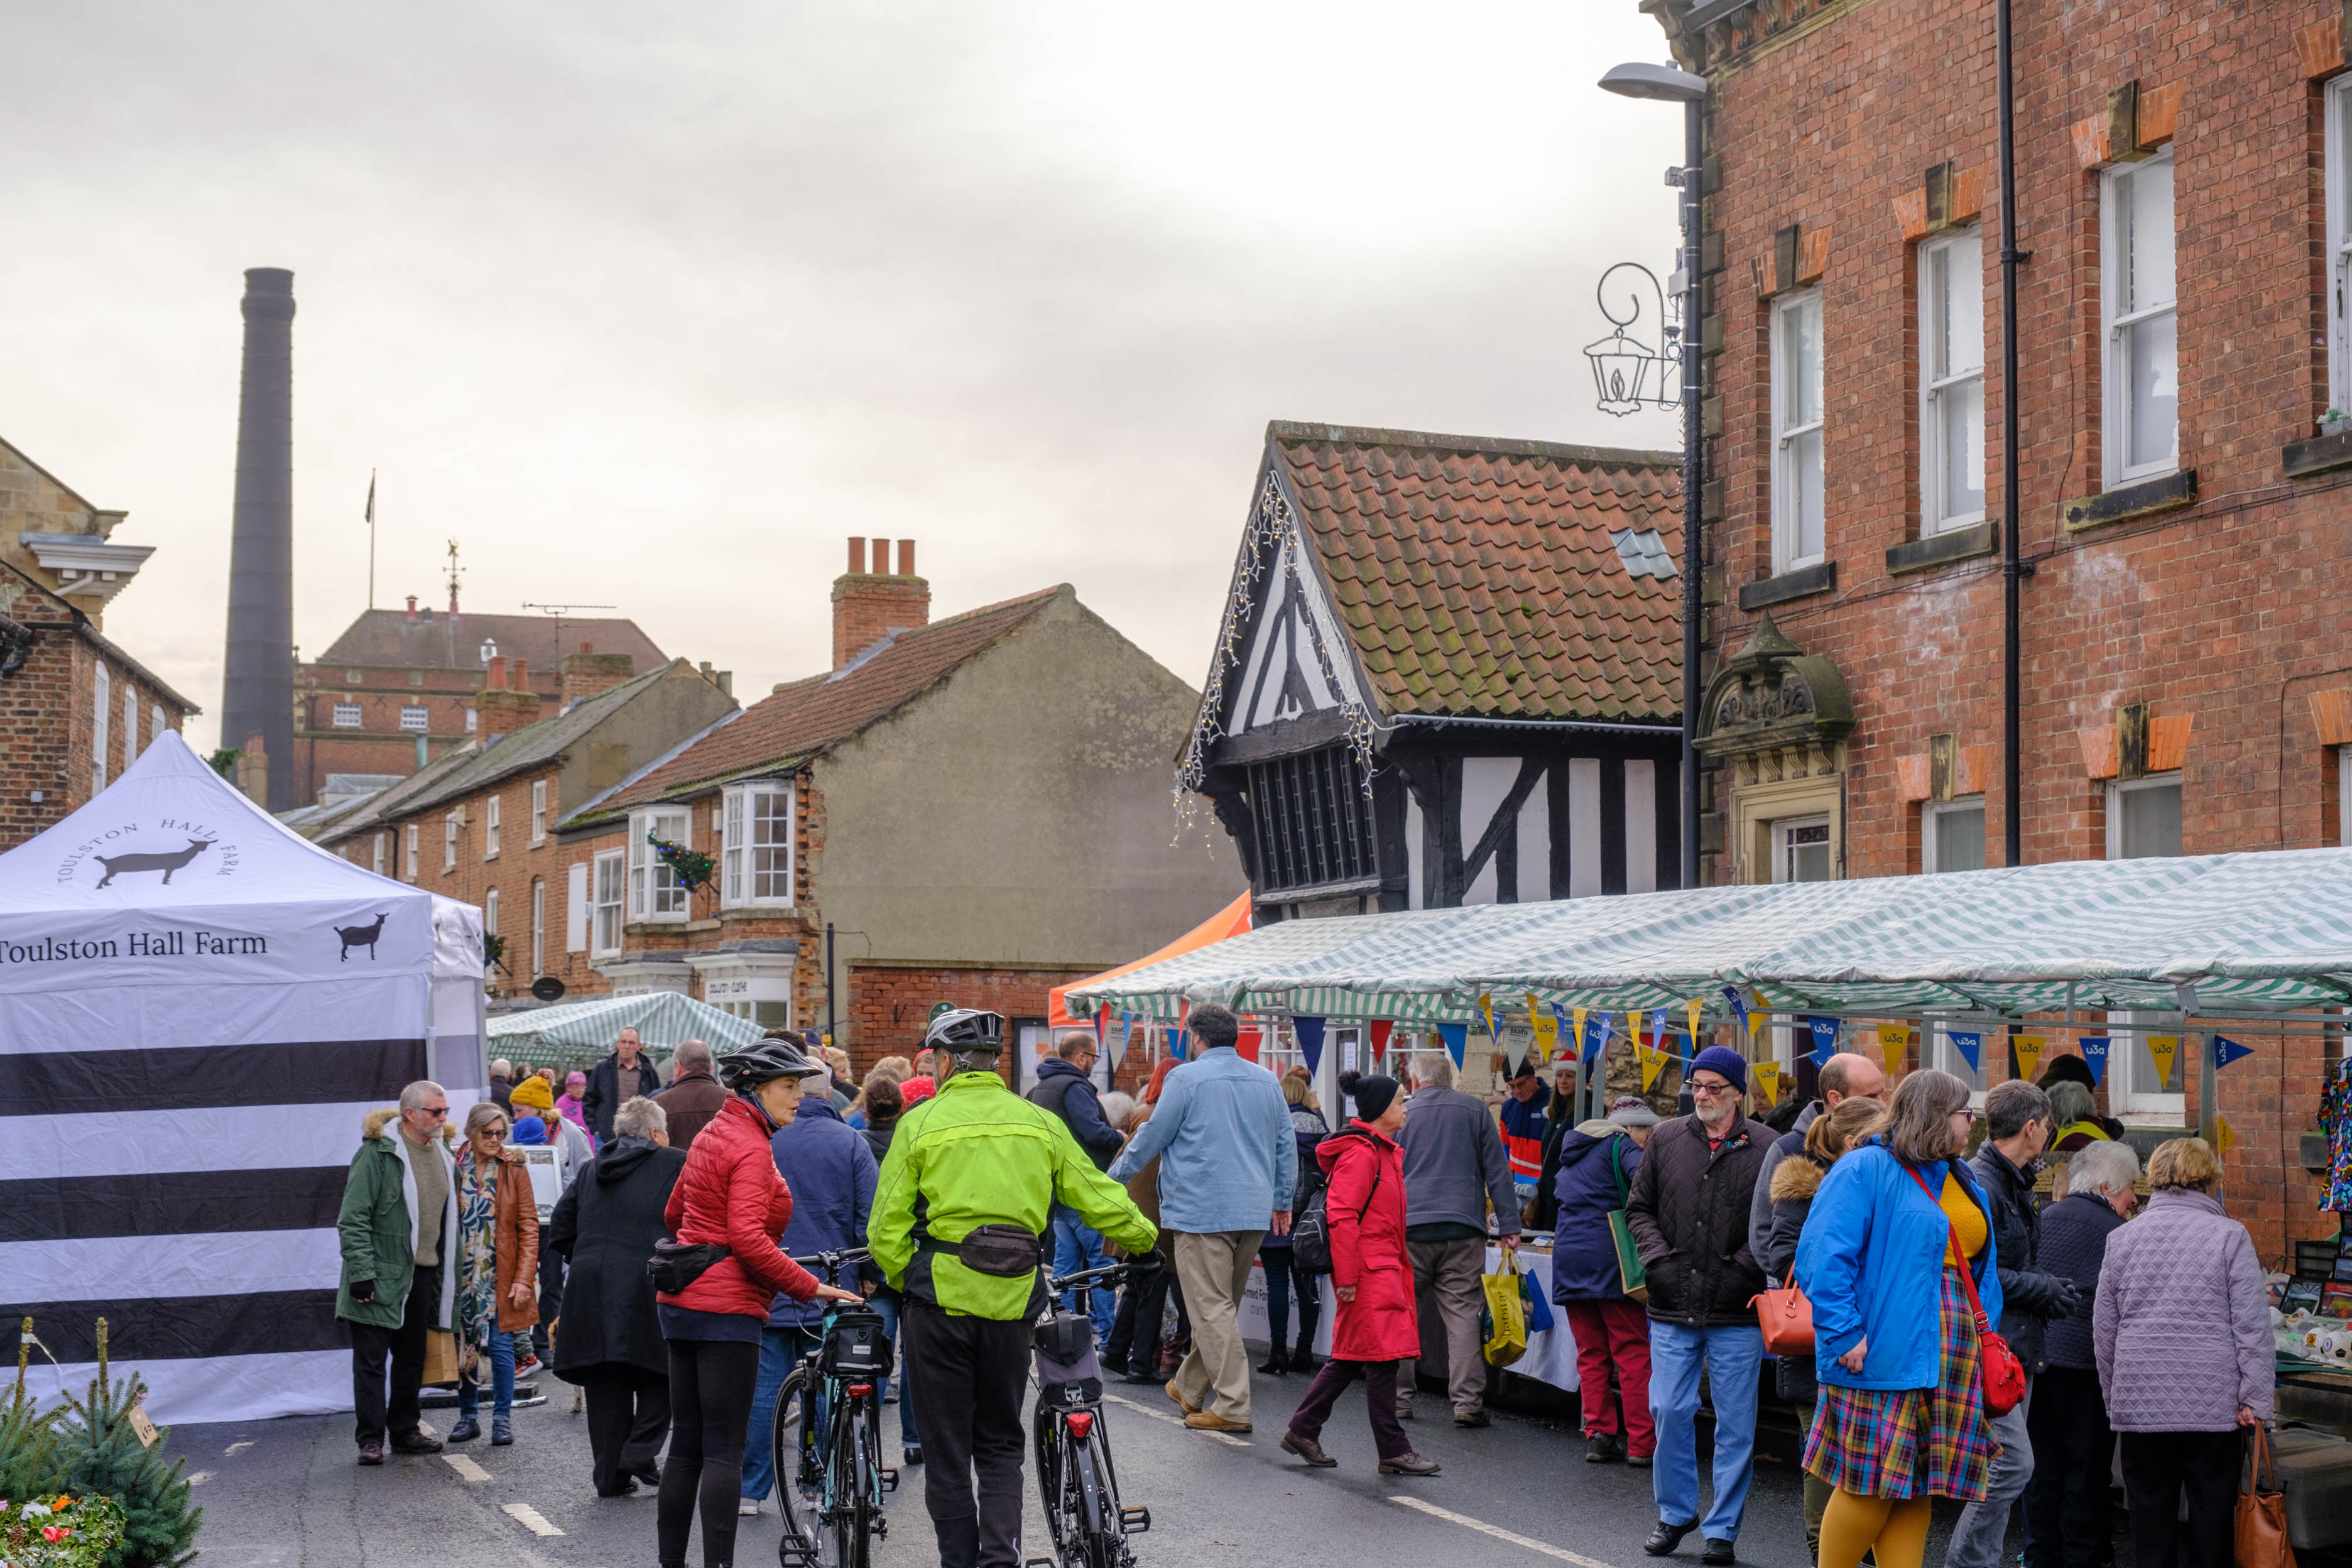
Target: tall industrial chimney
{"type": "Point", "coordinates": [258, 690]}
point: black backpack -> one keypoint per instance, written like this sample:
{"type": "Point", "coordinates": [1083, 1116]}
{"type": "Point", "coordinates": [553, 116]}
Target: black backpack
{"type": "Point", "coordinates": [1310, 1233]}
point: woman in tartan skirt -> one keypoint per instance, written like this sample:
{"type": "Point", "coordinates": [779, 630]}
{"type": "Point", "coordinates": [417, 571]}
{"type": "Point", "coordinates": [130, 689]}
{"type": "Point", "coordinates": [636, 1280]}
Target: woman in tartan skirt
{"type": "Point", "coordinates": [1901, 1417]}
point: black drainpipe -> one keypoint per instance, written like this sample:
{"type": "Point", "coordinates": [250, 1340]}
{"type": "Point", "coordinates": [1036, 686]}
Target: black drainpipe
{"type": "Point", "coordinates": [1694, 467]}
{"type": "Point", "coordinates": [2013, 571]}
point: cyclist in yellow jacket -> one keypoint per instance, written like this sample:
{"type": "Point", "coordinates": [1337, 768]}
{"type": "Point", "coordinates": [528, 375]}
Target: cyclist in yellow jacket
{"type": "Point", "coordinates": [960, 1208]}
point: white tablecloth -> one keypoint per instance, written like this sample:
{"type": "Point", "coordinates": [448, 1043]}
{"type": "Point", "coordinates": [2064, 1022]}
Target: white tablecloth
{"type": "Point", "coordinates": [1550, 1357]}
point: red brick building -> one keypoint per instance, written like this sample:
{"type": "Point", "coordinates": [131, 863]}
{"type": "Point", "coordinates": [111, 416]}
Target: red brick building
{"type": "Point", "coordinates": [2182, 335]}
{"type": "Point", "coordinates": [75, 708]}
{"type": "Point", "coordinates": [397, 687]}
{"type": "Point", "coordinates": [975, 809]}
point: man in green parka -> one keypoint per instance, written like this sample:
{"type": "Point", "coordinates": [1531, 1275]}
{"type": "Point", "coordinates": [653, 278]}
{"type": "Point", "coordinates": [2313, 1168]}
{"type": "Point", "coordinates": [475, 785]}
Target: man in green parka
{"type": "Point", "coordinates": [399, 1231]}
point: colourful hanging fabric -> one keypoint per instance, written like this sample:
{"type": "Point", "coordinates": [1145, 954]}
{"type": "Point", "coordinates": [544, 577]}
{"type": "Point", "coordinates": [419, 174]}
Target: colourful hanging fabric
{"type": "Point", "coordinates": [2336, 1120]}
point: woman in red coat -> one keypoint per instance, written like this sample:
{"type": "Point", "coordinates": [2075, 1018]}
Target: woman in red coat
{"type": "Point", "coordinates": [1377, 1325]}
{"type": "Point", "coordinates": [730, 1194]}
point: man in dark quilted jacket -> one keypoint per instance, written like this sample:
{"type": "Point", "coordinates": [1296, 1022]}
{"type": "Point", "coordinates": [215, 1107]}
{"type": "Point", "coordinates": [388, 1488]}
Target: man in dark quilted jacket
{"type": "Point", "coordinates": [1688, 1213]}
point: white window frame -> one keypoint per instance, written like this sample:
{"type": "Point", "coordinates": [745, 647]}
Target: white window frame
{"type": "Point", "coordinates": [654, 892]}
{"type": "Point", "coordinates": [1937, 1051]}
{"type": "Point", "coordinates": [156, 722]}
{"type": "Point", "coordinates": [1786, 523]}
{"type": "Point", "coordinates": [2339, 242]}
{"type": "Point", "coordinates": [2129, 1067]}
{"type": "Point", "coordinates": [538, 927]}
{"type": "Point", "coordinates": [490, 912]}
{"type": "Point", "coordinates": [383, 851]}
{"type": "Point", "coordinates": [1938, 384]}
{"type": "Point", "coordinates": [2118, 790]}
{"type": "Point", "coordinates": [2114, 373]}
{"type": "Point", "coordinates": [102, 709]}
{"type": "Point", "coordinates": [410, 874]}
{"type": "Point", "coordinates": [1781, 828]}
{"type": "Point", "coordinates": [1933, 809]}
{"type": "Point", "coordinates": [449, 825]}
{"type": "Point", "coordinates": [415, 719]}
{"type": "Point", "coordinates": [493, 810]}
{"type": "Point", "coordinates": [130, 724]}
{"type": "Point", "coordinates": [607, 885]}
{"type": "Point", "coordinates": [538, 813]}
{"type": "Point", "coordinates": [473, 721]}
{"type": "Point", "coordinates": [346, 715]}
{"type": "Point", "coordinates": [741, 868]}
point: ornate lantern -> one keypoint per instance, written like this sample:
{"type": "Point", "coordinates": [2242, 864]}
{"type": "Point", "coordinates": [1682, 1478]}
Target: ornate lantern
{"type": "Point", "coordinates": [1629, 371]}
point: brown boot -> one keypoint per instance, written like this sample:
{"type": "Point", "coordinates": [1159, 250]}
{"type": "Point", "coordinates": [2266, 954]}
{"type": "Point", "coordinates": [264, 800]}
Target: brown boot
{"type": "Point", "coordinates": [1308, 1449]}
{"type": "Point", "coordinates": [1410, 1463]}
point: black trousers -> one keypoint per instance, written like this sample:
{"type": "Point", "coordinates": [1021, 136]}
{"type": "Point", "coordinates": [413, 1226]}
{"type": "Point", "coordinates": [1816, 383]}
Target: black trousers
{"type": "Point", "coordinates": [967, 1377]}
{"type": "Point", "coordinates": [710, 1387]}
{"type": "Point", "coordinates": [2066, 1514]}
{"type": "Point", "coordinates": [1380, 1393]}
{"type": "Point", "coordinates": [404, 1347]}
{"type": "Point", "coordinates": [628, 1417]}
{"type": "Point", "coordinates": [2158, 1467]}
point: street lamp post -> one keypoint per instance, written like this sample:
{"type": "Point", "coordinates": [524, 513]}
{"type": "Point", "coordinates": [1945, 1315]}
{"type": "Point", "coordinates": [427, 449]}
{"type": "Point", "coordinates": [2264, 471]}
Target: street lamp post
{"type": "Point", "coordinates": [1656, 81]}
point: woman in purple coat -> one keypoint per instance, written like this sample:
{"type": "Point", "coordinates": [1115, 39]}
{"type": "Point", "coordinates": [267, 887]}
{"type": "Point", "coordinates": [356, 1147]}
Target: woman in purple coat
{"type": "Point", "coordinates": [1597, 1161]}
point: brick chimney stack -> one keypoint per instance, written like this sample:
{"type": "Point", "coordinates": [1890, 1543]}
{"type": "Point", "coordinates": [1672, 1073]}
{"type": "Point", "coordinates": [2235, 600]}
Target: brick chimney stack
{"type": "Point", "coordinates": [506, 703]}
{"type": "Point", "coordinates": [587, 672]}
{"type": "Point", "coordinates": [869, 606]}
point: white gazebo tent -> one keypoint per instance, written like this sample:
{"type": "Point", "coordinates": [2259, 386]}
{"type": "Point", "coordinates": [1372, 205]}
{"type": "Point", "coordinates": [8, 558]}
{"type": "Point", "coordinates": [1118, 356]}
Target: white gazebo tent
{"type": "Point", "coordinates": [197, 1007]}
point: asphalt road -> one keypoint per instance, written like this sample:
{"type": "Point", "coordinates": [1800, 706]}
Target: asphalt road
{"type": "Point", "coordinates": [279, 1494]}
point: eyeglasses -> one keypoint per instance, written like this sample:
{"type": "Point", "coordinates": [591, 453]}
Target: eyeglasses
{"type": "Point", "coordinates": [441, 1112]}
{"type": "Point", "coordinates": [1718, 1087]}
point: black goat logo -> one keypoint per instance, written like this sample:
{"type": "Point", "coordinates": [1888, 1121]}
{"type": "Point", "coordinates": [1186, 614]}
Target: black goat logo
{"type": "Point", "coordinates": [360, 936]}
{"type": "Point", "coordinates": [117, 864]}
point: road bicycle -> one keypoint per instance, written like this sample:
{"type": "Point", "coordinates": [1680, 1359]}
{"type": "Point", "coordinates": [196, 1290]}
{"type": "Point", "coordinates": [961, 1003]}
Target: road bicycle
{"type": "Point", "coordinates": [1075, 1480]}
{"type": "Point", "coordinates": [827, 1434]}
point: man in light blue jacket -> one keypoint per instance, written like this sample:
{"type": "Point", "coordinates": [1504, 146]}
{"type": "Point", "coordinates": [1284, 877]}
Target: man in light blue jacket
{"type": "Point", "coordinates": [1227, 1166]}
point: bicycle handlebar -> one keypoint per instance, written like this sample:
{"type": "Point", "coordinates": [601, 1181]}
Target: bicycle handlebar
{"type": "Point", "coordinates": [1060, 1282]}
{"type": "Point", "coordinates": [834, 1261]}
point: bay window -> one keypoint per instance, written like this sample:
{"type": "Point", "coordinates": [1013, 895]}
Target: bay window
{"type": "Point", "coordinates": [756, 844]}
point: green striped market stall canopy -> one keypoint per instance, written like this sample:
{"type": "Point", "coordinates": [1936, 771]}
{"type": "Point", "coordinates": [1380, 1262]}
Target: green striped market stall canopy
{"type": "Point", "coordinates": [574, 1034]}
{"type": "Point", "coordinates": [2220, 934]}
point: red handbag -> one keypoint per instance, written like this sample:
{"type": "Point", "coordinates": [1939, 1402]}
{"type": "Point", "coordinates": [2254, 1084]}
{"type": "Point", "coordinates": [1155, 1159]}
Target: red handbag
{"type": "Point", "coordinates": [1999, 1373]}
{"type": "Point", "coordinates": [1786, 1319]}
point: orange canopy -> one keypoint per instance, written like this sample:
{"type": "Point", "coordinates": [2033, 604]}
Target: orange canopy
{"type": "Point", "coordinates": [1231, 921]}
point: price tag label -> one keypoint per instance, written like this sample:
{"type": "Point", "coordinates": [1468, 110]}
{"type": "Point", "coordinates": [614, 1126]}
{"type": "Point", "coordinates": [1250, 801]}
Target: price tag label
{"type": "Point", "coordinates": [142, 1425]}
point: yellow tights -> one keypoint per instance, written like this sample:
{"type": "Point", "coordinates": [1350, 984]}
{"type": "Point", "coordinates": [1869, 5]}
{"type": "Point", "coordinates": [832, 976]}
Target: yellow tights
{"type": "Point", "coordinates": [1894, 1529]}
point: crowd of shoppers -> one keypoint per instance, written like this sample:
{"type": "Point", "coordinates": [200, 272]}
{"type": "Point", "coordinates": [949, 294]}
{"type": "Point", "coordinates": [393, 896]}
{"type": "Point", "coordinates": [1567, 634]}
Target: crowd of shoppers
{"type": "Point", "coordinates": [1901, 1218]}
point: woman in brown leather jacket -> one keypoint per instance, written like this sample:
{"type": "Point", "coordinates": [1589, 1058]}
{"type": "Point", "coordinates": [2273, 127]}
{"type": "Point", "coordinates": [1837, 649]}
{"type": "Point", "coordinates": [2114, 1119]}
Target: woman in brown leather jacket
{"type": "Point", "coordinates": [498, 1259]}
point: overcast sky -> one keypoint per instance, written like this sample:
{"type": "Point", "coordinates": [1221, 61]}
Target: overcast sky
{"type": "Point", "coordinates": [653, 305]}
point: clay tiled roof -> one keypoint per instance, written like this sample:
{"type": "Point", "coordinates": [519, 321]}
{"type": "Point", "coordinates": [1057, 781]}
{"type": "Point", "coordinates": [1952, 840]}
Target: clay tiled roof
{"type": "Point", "coordinates": [388, 637]}
{"type": "Point", "coordinates": [1485, 577]}
{"type": "Point", "coordinates": [803, 718]}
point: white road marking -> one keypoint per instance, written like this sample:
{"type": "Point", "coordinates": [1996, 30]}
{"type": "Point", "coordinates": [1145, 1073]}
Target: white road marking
{"type": "Point", "coordinates": [1227, 1438]}
{"type": "Point", "coordinates": [531, 1519]}
{"type": "Point", "coordinates": [200, 1478]}
{"type": "Point", "coordinates": [466, 1467]}
{"type": "Point", "coordinates": [1499, 1533]}
{"type": "Point", "coordinates": [234, 1449]}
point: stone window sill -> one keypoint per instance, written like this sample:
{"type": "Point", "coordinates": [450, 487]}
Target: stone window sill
{"type": "Point", "coordinates": [2320, 455]}
{"type": "Point", "coordinates": [1943, 549]}
{"type": "Point", "coordinates": [2162, 493]}
{"type": "Point", "coordinates": [1803, 582]}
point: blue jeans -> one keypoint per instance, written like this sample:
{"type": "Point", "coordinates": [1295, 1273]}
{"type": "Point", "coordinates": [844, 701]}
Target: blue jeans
{"type": "Point", "coordinates": [501, 1358]}
{"type": "Point", "coordinates": [887, 1302]}
{"type": "Point", "coordinates": [1076, 1247]}
{"type": "Point", "coordinates": [1734, 1356]}
{"type": "Point", "coordinates": [781, 1350]}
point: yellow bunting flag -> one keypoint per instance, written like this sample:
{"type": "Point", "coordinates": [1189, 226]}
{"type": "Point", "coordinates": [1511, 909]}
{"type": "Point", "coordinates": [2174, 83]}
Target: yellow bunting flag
{"type": "Point", "coordinates": [1756, 1016]}
{"type": "Point", "coordinates": [1893, 1045]}
{"type": "Point", "coordinates": [1633, 1018]}
{"type": "Point", "coordinates": [1546, 1025]}
{"type": "Point", "coordinates": [1767, 1081]}
{"type": "Point", "coordinates": [2028, 1055]}
{"type": "Point", "coordinates": [2225, 1137]}
{"type": "Point", "coordinates": [2161, 1050]}
{"type": "Point", "coordinates": [1487, 1007]}
{"type": "Point", "coordinates": [1652, 1063]}
{"type": "Point", "coordinates": [1575, 1022]}
{"type": "Point", "coordinates": [1696, 1006]}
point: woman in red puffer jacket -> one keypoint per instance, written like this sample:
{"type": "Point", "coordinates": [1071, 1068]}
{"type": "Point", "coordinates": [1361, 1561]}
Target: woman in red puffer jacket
{"type": "Point", "coordinates": [1377, 1326]}
{"type": "Point", "coordinates": [729, 1194]}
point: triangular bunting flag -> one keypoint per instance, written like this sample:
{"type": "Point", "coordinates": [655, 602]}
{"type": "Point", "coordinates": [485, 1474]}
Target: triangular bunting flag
{"type": "Point", "coordinates": [1893, 1045]}
{"type": "Point", "coordinates": [2226, 1050]}
{"type": "Point", "coordinates": [1486, 1011]}
{"type": "Point", "coordinates": [1768, 1081]}
{"type": "Point", "coordinates": [1309, 1035]}
{"type": "Point", "coordinates": [1826, 1039]}
{"type": "Point", "coordinates": [2094, 1056]}
{"type": "Point", "coordinates": [1381, 1031]}
{"type": "Point", "coordinates": [1652, 1062]}
{"type": "Point", "coordinates": [1545, 1023]}
{"type": "Point", "coordinates": [1596, 1038]}
{"type": "Point", "coordinates": [1658, 1029]}
{"type": "Point", "coordinates": [1694, 1007]}
{"type": "Point", "coordinates": [1634, 1023]}
{"type": "Point", "coordinates": [2225, 1137]}
{"type": "Point", "coordinates": [1738, 1003]}
{"type": "Point", "coordinates": [2028, 1049]}
{"type": "Point", "coordinates": [2162, 1050]}
{"type": "Point", "coordinates": [1457, 1040]}
{"type": "Point", "coordinates": [1971, 1045]}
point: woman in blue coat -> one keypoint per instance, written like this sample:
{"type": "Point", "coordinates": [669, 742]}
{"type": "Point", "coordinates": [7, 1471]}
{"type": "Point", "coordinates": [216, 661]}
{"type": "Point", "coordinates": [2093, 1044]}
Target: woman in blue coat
{"type": "Point", "coordinates": [1901, 1417]}
{"type": "Point", "coordinates": [1597, 1162]}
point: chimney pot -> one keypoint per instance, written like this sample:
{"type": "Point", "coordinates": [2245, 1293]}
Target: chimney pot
{"type": "Point", "coordinates": [496, 679]}
{"type": "Point", "coordinates": [586, 647]}
{"type": "Point", "coordinates": [856, 557]}
{"type": "Point", "coordinates": [412, 606]}
{"type": "Point", "coordinates": [881, 558]}
{"type": "Point", "coordinates": [906, 558]}
{"type": "Point", "coordinates": [520, 679]}
{"type": "Point", "coordinates": [868, 607]}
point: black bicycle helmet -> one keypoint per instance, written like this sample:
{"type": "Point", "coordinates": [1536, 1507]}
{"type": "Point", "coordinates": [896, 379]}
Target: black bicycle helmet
{"type": "Point", "coordinates": [963, 1030]}
{"type": "Point", "coordinates": [765, 1060]}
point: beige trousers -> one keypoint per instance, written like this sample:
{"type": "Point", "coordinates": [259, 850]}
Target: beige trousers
{"type": "Point", "coordinates": [1213, 1267]}
{"type": "Point", "coordinates": [1453, 1272]}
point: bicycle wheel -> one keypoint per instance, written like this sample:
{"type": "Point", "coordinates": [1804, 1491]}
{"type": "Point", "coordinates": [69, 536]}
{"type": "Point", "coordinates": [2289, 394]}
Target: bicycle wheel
{"type": "Point", "coordinates": [1052, 1446]}
{"type": "Point", "coordinates": [788, 1439]}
